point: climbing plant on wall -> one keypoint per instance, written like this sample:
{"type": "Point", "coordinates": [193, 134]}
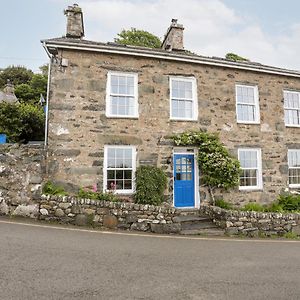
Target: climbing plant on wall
{"type": "Point", "coordinates": [217, 167]}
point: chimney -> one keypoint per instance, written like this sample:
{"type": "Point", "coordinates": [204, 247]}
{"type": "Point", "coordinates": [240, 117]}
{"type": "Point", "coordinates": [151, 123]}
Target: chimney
{"type": "Point", "coordinates": [173, 39]}
{"type": "Point", "coordinates": [75, 27]}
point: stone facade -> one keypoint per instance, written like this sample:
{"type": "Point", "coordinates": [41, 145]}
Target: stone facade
{"type": "Point", "coordinates": [22, 170]}
{"type": "Point", "coordinates": [252, 223]}
{"type": "Point", "coordinates": [79, 127]}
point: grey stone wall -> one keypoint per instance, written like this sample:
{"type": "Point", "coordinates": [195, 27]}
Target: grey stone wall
{"type": "Point", "coordinates": [79, 129]}
{"type": "Point", "coordinates": [22, 170]}
{"type": "Point", "coordinates": [253, 224]}
{"type": "Point", "coordinates": [114, 215]}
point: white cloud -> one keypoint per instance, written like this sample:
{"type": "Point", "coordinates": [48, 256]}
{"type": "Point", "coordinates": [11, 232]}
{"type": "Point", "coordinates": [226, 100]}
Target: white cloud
{"type": "Point", "coordinates": [211, 28]}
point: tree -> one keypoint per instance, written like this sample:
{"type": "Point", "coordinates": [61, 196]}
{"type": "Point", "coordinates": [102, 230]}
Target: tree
{"type": "Point", "coordinates": [16, 75]}
{"type": "Point", "coordinates": [22, 122]}
{"type": "Point", "coordinates": [235, 57]}
{"type": "Point", "coordinates": [28, 86]}
{"type": "Point", "coordinates": [138, 37]}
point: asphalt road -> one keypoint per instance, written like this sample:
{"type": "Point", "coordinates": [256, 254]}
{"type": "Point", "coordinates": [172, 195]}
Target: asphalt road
{"type": "Point", "coordinates": [56, 263]}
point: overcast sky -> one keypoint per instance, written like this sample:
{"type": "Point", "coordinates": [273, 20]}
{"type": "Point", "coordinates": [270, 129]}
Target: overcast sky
{"type": "Point", "coordinates": [266, 31]}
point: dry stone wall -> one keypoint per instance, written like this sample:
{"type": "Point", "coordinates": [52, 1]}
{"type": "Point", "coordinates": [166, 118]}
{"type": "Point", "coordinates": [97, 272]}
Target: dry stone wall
{"type": "Point", "coordinates": [22, 169]}
{"type": "Point", "coordinates": [114, 215]}
{"type": "Point", "coordinates": [252, 223]}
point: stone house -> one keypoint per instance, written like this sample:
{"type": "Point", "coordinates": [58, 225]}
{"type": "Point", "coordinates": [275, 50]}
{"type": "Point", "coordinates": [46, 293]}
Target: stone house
{"type": "Point", "coordinates": [113, 107]}
{"type": "Point", "coordinates": [8, 94]}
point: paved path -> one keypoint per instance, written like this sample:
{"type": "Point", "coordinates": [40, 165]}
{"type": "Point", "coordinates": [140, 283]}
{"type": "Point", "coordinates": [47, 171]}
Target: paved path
{"type": "Point", "coordinates": [56, 263]}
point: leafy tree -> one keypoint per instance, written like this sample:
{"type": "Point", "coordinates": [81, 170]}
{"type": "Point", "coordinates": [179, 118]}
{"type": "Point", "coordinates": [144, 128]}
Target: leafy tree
{"type": "Point", "coordinates": [44, 69]}
{"type": "Point", "coordinates": [16, 75]}
{"type": "Point", "coordinates": [22, 122]}
{"type": "Point", "coordinates": [235, 57]}
{"type": "Point", "coordinates": [24, 92]}
{"type": "Point", "coordinates": [10, 122]}
{"type": "Point", "coordinates": [138, 37]}
{"type": "Point", "coordinates": [28, 86]}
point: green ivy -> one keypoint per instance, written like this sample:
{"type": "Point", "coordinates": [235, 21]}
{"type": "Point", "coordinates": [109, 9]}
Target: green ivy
{"type": "Point", "coordinates": [218, 168]}
{"type": "Point", "coordinates": [150, 185]}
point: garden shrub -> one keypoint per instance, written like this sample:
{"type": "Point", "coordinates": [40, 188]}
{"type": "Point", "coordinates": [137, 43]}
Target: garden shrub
{"type": "Point", "coordinates": [223, 204]}
{"type": "Point", "coordinates": [50, 188]}
{"type": "Point", "coordinates": [252, 206]}
{"type": "Point", "coordinates": [150, 185]}
{"type": "Point", "coordinates": [96, 195]}
{"type": "Point", "coordinates": [289, 202]}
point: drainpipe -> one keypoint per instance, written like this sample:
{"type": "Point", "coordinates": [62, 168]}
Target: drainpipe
{"type": "Point", "coordinates": [48, 95]}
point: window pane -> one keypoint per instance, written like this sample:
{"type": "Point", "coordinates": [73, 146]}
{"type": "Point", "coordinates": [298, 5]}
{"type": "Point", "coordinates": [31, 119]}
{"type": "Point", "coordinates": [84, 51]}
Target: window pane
{"type": "Point", "coordinates": [127, 184]}
{"type": "Point", "coordinates": [127, 174]}
{"type": "Point", "coordinates": [119, 184]}
{"type": "Point", "coordinates": [119, 174]}
{"type": "Point", "coordinates": [246, 112]}
{"type": "Point", "coordinates": [111, 174]}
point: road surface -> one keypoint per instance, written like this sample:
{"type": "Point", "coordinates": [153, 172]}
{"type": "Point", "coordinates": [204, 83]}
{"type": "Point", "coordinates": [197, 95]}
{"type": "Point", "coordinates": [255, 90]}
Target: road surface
{"type": "Point", "coordinates": [53, 262]}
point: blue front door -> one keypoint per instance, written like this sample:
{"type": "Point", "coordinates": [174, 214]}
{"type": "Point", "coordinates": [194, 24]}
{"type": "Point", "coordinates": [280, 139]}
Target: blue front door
{"type": "Point", "coordinates": [184, 183]}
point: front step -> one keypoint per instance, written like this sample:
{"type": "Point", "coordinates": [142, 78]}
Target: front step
{"type": "Point", "coordinates": [198, 225]}
{"type": "Point", "coordinates": [190, 218]}
{"type": "Point", "coordinates": [194, 223]}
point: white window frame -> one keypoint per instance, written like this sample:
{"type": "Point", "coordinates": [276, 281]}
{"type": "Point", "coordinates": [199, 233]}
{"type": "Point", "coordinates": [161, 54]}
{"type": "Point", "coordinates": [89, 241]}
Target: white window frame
{"type": "Point", "coordinates": [109, 94]}
{"type": "Point", "coordinates": [259, 185]}
{"type": "Point", "coordinates": [194, 97]}
{"type": "Point", "coordinates": [292, 185]}
{"type": "Point", "coordinates": [256, 104]}
{"type": "Point", "coordinates": [291, 108]}
{"type": "Point", "coordinates": [133, 148]}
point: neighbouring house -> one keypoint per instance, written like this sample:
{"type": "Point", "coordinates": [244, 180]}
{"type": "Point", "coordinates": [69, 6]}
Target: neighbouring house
{"type": "Point", "coordinates": [8, 94]}
{"type": "Point", "coordinates": [114, 107]}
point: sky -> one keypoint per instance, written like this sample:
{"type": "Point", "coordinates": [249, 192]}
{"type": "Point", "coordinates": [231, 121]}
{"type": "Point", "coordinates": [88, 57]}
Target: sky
{"type": "Point", "coordinates": [265, 31]}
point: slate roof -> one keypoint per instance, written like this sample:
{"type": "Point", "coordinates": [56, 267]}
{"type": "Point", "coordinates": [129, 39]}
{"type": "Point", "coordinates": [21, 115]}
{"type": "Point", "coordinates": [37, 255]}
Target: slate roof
{"type": "Point", "coordinates": [112, 47]}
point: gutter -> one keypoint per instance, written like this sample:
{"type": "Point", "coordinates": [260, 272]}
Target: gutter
{"type": "Point", "coordinates": [48, 95]}
{"type": "Point", "coordinates": [173, 57]}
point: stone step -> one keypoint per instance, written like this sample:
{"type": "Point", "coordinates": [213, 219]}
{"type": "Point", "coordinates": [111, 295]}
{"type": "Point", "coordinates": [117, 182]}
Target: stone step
{"type": "Point", "coordinates": [190, 218]}
{"type": "Point", "coordinates": [198, 226]}
{"type": "Point", "coordinates": [204, 232]}
{"type": "Point", "coordinates": [189, 212]}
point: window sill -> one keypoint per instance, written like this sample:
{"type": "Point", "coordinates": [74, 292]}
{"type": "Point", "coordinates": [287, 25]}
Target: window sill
{"type": "Point", "coordinates": [250, 189]}
{"type": "Point", "coordinates": [292, 126]}
{"type": "Point", "coordinates": [294, 186]}
{"type": "Point", "coordinates": [122, 117]}
{"type": "Point", "coordinates": [183, 120]}
{"type": "Point", "coordinates": [248, 123]}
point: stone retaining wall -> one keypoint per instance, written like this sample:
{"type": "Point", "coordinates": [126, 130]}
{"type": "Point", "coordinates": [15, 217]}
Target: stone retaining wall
{"type": "Point", "coordinates": [114, 215]}
{"type": "Point", "coordinates": [22, 169]}
{"type": "Point", "coordinates": [253, 224]}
